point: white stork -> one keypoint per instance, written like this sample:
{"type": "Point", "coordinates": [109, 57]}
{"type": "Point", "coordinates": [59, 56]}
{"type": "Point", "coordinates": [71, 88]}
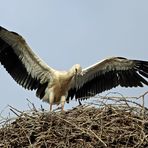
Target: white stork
{"type": "Point", "coordinates": [55, 87]}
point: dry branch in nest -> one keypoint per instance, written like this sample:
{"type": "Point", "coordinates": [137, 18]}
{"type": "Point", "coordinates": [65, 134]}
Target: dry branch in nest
{"type": "Point", "coordinates": [83, 126]}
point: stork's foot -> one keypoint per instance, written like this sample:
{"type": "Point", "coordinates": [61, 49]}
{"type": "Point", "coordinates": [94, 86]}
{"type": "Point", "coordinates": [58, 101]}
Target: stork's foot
{"type": "Point", "coordinates": [62, 110]}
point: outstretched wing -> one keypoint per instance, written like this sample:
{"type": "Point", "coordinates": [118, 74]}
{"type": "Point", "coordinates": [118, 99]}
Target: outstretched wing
{"type": "Point", "coordinates": [26, 68]}
{"type": "Point", "coordinates": [107, 74]}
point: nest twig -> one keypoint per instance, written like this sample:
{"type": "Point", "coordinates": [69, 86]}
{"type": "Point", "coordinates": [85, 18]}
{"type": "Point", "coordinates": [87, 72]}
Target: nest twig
{"type": "Point", "coordinates": [84, 126]}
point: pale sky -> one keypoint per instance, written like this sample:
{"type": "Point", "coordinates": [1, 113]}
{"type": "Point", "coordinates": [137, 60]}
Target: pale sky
{"type": "Point", "coordinates": [66, 32]}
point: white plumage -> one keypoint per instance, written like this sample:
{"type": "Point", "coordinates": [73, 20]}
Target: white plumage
{"type": "Point", "coordinates": [53, 86]}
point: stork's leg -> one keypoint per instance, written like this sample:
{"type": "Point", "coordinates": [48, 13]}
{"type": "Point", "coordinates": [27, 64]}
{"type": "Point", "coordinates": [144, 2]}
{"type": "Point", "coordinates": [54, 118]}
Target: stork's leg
{"type": "Point", "coordinates": [51, 100]}
{"type": "Point", "coordinates": [50, 107]}
{"type": "Point", "coordinates": [63, 99]}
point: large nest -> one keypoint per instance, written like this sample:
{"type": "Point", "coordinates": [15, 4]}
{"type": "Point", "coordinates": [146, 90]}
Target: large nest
{"type": "Point", "coordinates": [121, 125]}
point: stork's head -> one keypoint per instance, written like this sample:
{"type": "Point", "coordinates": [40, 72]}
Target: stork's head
{"type": "Point", "coordinates": [76, 69]}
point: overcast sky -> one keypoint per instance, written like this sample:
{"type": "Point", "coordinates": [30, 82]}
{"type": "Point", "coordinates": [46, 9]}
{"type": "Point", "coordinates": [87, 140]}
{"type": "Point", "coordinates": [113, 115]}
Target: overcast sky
{"type": "Point", "coordinates": [66, 32]}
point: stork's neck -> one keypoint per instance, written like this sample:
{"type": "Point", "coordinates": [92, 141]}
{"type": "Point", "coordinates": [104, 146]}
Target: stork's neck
{"type": "Point", "coordinates": [76, 69]}
{"type": "Point", "coordinates": [71, 72]}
